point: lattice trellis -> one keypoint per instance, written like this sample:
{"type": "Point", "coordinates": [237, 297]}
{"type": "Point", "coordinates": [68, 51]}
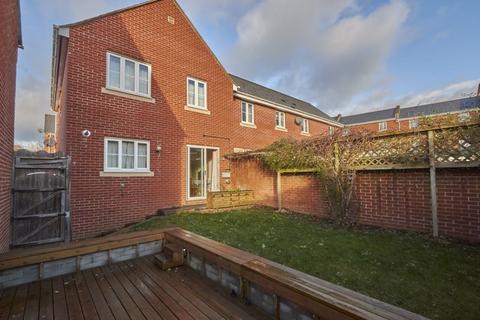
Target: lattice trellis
{"type": "Point", "coordinates": [454, 147]}
{"type": "Point", "coordinates": [394, 151]}
{"type": "Point", "coordinates": [457, 146]}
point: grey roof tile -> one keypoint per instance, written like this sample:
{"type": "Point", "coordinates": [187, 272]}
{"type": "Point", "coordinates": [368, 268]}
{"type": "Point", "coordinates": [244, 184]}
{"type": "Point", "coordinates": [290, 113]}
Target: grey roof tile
{"type": "Point", "coordinates": [262, 92]}
{"type": "Point", "coordinates": [422, 110]}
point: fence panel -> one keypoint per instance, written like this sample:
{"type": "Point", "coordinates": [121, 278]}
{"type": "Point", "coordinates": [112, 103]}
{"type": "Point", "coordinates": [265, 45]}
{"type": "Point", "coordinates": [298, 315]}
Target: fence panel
{"type": "Point", "coordinates": [40, 200]}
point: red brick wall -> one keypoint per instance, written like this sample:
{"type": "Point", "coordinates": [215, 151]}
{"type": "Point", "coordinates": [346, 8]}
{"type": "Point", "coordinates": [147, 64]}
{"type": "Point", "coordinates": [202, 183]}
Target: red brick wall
{"type": "Point", "coordinates": [8, 56]}
{"type": "Point", "coordinates": [300, 193]}
{"type": "Point", "coordinates": [389, 199]}
{"type": "Point", "coordinates": [175, 51]}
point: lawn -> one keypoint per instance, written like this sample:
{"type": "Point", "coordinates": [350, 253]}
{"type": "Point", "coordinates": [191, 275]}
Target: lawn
{"type": "Point", "coordinates": [437, 279]}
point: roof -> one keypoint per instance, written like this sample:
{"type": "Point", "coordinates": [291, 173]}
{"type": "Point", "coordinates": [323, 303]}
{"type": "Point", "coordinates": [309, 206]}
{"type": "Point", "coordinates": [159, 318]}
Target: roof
{"type": "Point", "coordinates": [262, 92]}
{"type": "Point", "coordinates": [422, 110]}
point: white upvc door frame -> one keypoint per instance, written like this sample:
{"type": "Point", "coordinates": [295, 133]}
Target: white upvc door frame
{"type": "Point", "coordinates": [204, 169]}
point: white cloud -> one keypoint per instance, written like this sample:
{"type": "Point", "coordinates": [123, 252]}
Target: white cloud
{"type": "Point", "coordinates": [323, 51]}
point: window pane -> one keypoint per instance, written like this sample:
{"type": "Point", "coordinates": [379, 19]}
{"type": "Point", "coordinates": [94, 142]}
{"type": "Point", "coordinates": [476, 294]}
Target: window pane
{"type": "Point", "coordinates": [191, 92]}
{"type": "Point", "coordinates": [112, 154]}
{"type": "Point", "coordinates": [201, 95]}
{"type": "Point", "coordinates": [129, 75]}
{"type": "Point", "coordinates": [142, 156]}
{"type": "Point", "coordinates": [114, 72]}
{"type": "Point", "coordinates": [250, 113]}
{"type": "Point", "coordinates": [128, 155]}
{"type": "Point", "coordinates": [143, 79]}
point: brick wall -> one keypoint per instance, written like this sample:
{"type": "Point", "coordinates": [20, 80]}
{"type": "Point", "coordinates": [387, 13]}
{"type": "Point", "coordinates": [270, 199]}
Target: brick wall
{"type": "Point", "coordinates": [175, 51]}
{"type": "Point", "coordinates": [8, 56]}
{"type": "Point", "coordinates": [390, 199]}
{"type": "Point", "coordinates": [300, 193]}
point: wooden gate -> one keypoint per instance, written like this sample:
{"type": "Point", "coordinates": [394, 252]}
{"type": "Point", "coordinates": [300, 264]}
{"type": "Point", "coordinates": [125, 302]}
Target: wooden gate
{"type": "Point", "coordinates": [40, 200]}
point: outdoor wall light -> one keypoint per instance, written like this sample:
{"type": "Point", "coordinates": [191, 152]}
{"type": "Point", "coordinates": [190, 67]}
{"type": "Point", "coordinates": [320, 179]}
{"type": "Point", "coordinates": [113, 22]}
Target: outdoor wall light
{"type": "Point", "coordinates": [86, 133]}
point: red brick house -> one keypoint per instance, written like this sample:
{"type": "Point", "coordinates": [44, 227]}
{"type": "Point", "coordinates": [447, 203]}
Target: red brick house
{"type": "Point", "coordinates": [397, 119]}
{"type": "Point", "coordinates": [10, 41]}
{"type": "Point", "coordinates": [147, 113]}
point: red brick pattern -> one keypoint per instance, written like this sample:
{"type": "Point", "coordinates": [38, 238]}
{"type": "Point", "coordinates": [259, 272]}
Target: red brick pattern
{"type": "Point", "coordinates": [8, 56]}
{"type": "Point", "coordinates": [175, 51]}
{"type": "Point", "coordinates": [389, 199]}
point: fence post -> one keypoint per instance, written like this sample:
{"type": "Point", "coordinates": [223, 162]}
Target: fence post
{"type": "Point", "coordinates": [433, 182]}
{"type": "Point", "coordinates": [279, 190]}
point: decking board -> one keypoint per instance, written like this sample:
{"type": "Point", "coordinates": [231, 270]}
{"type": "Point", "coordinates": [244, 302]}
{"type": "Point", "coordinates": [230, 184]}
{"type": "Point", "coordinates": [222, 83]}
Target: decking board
{"type": "Point", "coordinates": [136, 289]}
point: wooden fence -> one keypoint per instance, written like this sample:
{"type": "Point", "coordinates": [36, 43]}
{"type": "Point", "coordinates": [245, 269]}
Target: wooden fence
{"type": "Point", "coordinates": [40, 200]}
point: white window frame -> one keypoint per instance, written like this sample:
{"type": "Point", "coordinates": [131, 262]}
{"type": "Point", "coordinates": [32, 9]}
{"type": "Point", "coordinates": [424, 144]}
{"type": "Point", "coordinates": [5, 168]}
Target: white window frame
{"type": "Point", "coordinates": [119, 164]}
{"type": "Point", "coordinates": [331, 131]}
{"type": "Point", "coordinates": [248, 106]}
{"type": "Point", "coordinates": [464, 116]}
{"type": "Point", "coordinates": [411, 123]}
{"type": "Point", "coordinates": [277, 117]}
{"type": "Point", "coordinates": [305, 126]}
{"type": "Point", "coordinates": [205, 149]}
{"type": "Point", "coordinates": [382, 126]}
{"type": "Point", "coordinates": [122, 76]}
{"type": "Point", "coordinates": [196, 104]}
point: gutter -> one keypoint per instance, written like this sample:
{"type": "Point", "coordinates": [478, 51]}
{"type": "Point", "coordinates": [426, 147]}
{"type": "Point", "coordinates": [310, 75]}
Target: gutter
{"type": "Point", "coordinates": [53, 79]}
{"type": "Point", "coordinates": [277, 106]}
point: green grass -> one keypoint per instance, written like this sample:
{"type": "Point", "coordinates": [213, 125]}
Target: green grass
{"type": "Point", "coordinates": [439, 280]}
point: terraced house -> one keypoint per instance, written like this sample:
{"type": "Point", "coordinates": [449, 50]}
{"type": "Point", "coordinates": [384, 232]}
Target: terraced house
{"type": "Point", "coordinates": [147, 112]}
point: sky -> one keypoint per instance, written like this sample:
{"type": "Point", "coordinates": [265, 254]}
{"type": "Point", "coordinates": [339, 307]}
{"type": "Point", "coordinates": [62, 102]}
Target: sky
{"type": "Point", "coordinates": [343, 56]}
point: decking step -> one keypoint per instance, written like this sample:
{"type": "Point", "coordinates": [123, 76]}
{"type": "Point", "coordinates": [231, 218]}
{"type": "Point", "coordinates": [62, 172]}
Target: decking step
{"type": "Point", "coordinates": [165, 262]}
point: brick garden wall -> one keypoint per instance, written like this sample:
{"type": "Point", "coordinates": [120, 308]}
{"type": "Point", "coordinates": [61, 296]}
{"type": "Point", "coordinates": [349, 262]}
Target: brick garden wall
{"type": "Point", "coordinates": [8, 56]}
{"type": "Point", "coordinates": [390, 199]}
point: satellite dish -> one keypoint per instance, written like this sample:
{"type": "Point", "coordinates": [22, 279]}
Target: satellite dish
{"type": "Point", "coordinates": [298, 120]}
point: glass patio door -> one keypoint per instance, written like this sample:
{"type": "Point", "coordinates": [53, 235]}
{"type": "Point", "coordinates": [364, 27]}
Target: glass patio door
{"type": "Point", "coordinates": [203, 172]}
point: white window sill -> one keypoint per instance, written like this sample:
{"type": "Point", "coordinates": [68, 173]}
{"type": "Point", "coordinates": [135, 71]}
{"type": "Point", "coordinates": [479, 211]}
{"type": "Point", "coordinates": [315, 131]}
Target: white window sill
{"type": "Point", "coordinates": [281, 129]}
{"type": "Point", "coordinates": [306, 134]}
{"type": "Point", "coordinates": [248, 125]}
{"type": "Point", "coordinates": [126, 174]}
{"type": "Point", "coordinates": [127, 95]}
{"type": "Point", "coordinates": [198, 110]}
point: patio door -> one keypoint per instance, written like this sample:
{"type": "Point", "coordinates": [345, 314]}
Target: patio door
{"type": "Point", "coordinates": [202, 172]}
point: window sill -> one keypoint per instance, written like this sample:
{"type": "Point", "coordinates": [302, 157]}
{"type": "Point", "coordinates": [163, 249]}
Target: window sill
{"type": "Point", "coordinates": [248, 125]}
{"type": "Point", "coordinates": [198, 110]}
{"type": "Point", "coordinates": [127, 95]}
{"type": "Point", "coordinates": [126, 174]}
{"type": "Point", "coordinates": [281, 129]}
{"type": "Point", "coordinates": [306, 134]}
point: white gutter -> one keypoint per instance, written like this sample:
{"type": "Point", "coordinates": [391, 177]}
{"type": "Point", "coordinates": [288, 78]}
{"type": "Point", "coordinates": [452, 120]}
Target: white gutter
{"type": "Point", "coordinates": [280, 107]}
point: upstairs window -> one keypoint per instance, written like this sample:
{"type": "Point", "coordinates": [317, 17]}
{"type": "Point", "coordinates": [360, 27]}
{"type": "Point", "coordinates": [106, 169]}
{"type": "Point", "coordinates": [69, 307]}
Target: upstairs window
{"type": "Point", "coordinates": [123, 155]}
{"type": "Point", "coordinates": [196, 93]}
{"type": "Point", "coordinates": [464, 116]}
{"type": "Point", "coordinates": [305, 126]}
{"type": "Point", "coordinates": [128, 75]}
{"type": "Point", "coordinates": [382, 126]}
{"type": "Point", "coordinates": [280, 119]}
{"type": "Point", "coordinates": [331, 131]}
{"type": "Point", "coordinates": [247, 113]}
{"type": "Point", "coordinates": [413, 123]}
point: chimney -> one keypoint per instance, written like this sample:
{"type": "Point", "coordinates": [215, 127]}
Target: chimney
{"type": "Point", "coordinates": [339, 116]}
{"type": "Point", "coordinates": [396, 113]}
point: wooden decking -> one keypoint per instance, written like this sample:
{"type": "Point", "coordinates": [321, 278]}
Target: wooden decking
{"type": "Point", "coordinates": [135, 289]}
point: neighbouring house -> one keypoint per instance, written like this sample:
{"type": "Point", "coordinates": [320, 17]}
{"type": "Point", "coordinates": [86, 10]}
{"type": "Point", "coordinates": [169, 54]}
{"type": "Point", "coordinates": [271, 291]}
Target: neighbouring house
{"type": "Point", "coordinates": [147, 112]}
{"type": "Point", "coordinates": [10, 41]}
{"type": "Point", "coordinates": [398, 118]}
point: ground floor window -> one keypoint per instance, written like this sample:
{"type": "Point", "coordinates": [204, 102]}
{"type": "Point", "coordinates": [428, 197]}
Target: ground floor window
{"type": "Point", "coordinates": [203, 171]}
{"type": "Point", "coordinates": [124, 155]}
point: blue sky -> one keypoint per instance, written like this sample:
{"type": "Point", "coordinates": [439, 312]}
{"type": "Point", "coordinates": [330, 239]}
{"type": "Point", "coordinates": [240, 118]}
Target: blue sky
{"type": "Point", "coordinates": [344, 56]}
